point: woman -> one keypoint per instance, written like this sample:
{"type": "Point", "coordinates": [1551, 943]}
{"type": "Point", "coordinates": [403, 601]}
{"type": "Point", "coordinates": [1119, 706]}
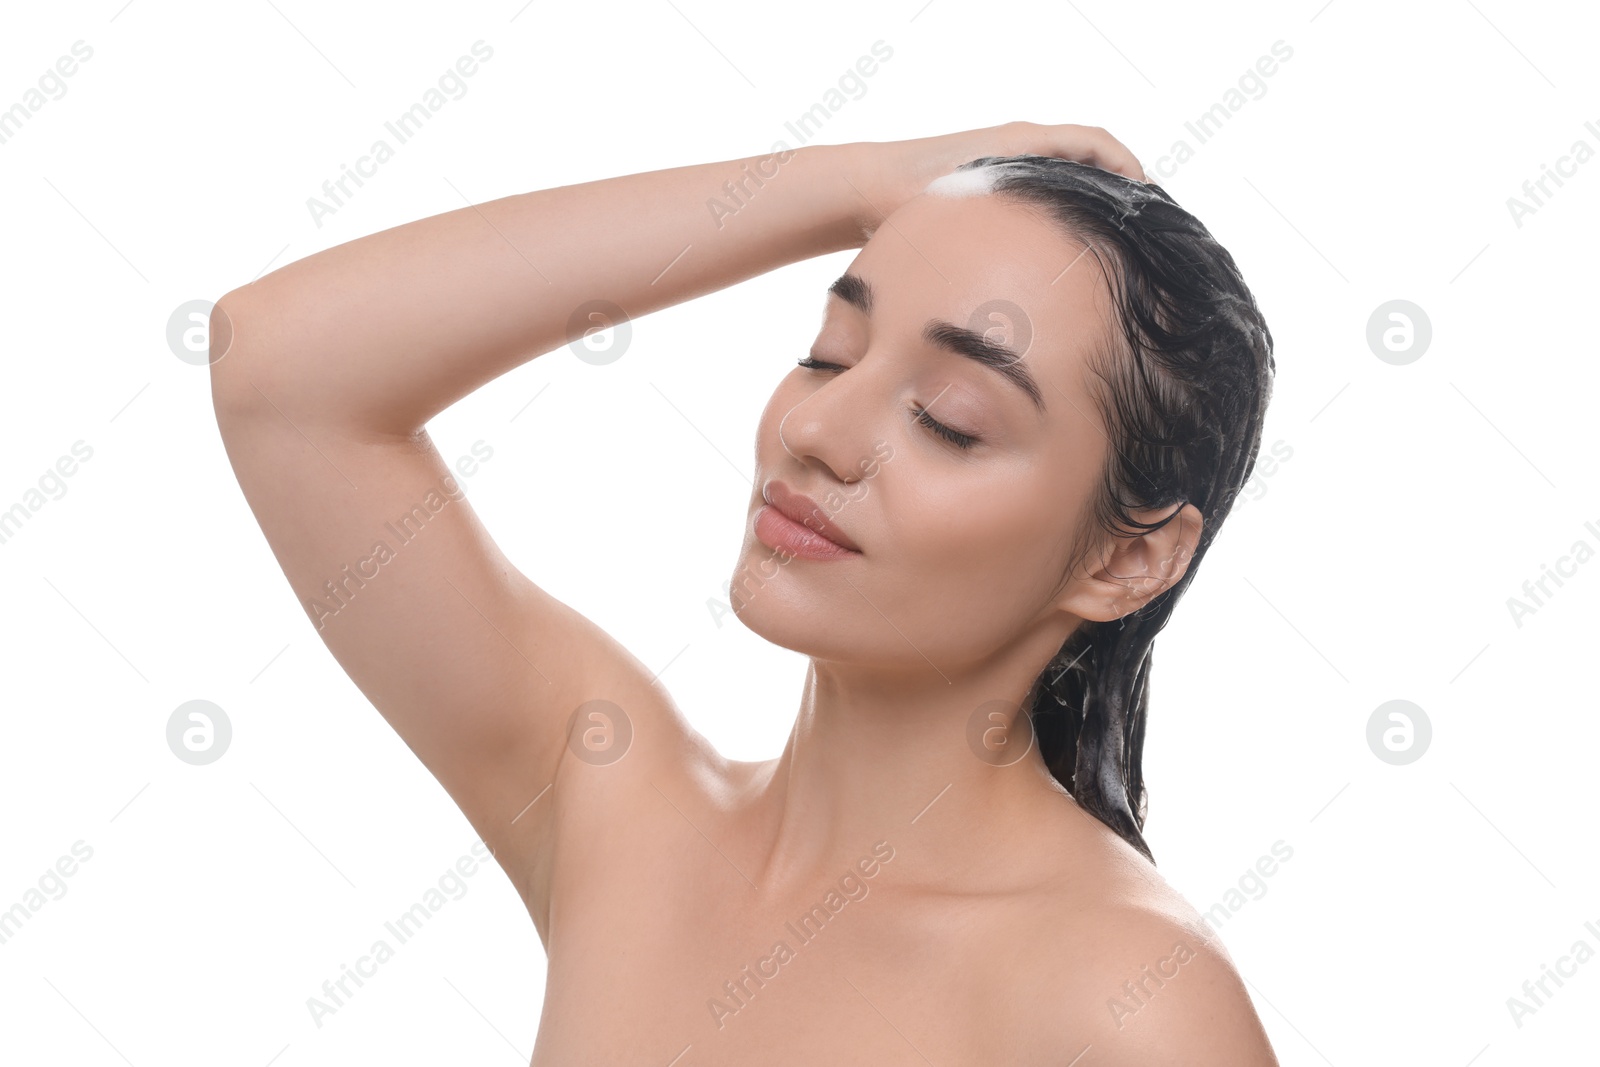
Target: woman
{"type": "Point", "coordinates": [1036, 392]}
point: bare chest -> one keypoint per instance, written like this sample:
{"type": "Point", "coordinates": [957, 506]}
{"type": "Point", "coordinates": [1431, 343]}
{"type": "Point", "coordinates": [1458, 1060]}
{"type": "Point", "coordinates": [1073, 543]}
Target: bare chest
{"type": "Point", "coordinates": [684, 963]}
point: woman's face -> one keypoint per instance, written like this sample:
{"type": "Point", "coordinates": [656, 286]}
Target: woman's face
{"type": "Point", "coordinates": [960, 549]}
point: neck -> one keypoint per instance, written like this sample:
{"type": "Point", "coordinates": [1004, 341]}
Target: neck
{"type": "Point", "coordinates": [940, 765]}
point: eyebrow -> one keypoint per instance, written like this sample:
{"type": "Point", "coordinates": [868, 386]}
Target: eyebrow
{"type": "Point", "coordinates": [857, 292]}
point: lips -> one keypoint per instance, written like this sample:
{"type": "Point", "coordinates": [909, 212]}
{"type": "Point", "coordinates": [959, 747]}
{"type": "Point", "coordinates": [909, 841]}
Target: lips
{"type": "Point", "coordinates": [802, 509]}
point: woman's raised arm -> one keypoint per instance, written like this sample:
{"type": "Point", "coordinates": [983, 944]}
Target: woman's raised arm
{"type": "Point", "coordinates": [335, 363]}
{"type": "Point", "coordinates": [385, 331]}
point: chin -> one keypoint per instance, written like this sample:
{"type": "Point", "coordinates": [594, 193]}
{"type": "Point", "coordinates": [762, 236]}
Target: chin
{"type": "Point", "coordinates": [790, 604]}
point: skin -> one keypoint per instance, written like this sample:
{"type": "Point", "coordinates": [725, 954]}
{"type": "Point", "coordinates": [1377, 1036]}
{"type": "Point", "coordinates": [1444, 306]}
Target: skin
{"type": "Point", "coordinates": [1004, 922]}
{"type": "Point", "coordinates": [958, 597]}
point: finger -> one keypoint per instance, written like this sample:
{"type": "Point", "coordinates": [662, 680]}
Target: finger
{"type": "Point", "coordinates": [1104, 150]}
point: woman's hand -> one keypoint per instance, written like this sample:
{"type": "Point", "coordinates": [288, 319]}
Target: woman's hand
{"type": "Point", "coordinates": [887, 174]}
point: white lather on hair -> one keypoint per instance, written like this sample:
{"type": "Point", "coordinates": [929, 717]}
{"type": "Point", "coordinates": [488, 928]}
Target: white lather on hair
{"type": "Point", "coordinates": [974, 181]}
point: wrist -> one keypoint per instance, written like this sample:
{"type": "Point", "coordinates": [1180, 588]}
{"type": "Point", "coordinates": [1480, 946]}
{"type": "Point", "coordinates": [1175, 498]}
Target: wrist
{"type": "Point", "coordinates": [856, 186]}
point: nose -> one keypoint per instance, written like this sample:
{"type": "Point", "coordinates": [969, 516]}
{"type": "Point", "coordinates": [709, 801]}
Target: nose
{"type": "Point", "coordinates": [837, 422]}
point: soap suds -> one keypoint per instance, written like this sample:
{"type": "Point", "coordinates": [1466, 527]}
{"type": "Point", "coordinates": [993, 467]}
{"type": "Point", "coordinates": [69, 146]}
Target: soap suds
{"type": "Point", "coordinates": [975, 181]}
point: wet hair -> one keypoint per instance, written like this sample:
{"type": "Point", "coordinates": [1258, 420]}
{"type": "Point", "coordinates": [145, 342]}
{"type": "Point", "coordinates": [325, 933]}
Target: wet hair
{"type": "Point", "coordinates": [1182, 388]}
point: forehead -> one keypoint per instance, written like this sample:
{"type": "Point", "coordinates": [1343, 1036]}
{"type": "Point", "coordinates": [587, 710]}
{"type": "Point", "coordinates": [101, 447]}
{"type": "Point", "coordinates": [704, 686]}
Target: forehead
{"type": "Point", "coordinates": [986, 262]}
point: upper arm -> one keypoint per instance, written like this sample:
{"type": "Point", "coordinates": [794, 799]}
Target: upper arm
{"type": "Point", "coordinates": [480, 671]}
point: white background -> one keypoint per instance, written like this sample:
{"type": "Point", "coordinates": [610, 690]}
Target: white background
{"type": "Point", "coordinates": [1375, 564]}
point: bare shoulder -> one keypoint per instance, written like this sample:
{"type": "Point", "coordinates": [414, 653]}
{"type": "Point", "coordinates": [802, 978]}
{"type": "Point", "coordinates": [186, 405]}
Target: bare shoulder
{"type": "Point", "coordinates": [1149, 981]}
{"type": "Point", "coordinates": [1162, 989]}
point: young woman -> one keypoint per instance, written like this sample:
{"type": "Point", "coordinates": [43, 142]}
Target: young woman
{"type": "Point", "coordinates": [1036, 392]}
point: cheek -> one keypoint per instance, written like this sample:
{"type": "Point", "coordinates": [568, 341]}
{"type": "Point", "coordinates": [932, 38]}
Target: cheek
{"type": "Point", "coordinates": [994, 530]}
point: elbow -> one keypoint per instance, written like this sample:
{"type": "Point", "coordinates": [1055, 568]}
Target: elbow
{"type": "Point", "coordinates": [236, 358]}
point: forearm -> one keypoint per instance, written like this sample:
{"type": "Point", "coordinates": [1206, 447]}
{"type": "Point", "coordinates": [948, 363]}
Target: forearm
{"type": "Point", "coordinates": [383, 332]}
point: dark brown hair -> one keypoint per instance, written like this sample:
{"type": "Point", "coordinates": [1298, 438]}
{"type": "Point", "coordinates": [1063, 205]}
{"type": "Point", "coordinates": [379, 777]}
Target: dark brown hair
{"type": "Point", "coordinates": [1182, 389]}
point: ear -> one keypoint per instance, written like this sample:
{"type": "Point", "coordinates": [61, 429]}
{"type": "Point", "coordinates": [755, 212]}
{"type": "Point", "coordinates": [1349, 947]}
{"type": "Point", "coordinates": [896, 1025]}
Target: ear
{"type": "Point", "coordinates": [1125, 573]}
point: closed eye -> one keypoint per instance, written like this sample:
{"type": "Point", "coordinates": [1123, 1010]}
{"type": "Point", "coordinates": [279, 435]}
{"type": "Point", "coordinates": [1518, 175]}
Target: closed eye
{"type": "Point", "coordinates": [955, 437]}
{"type": "Point", "coordinates": [812, 363]}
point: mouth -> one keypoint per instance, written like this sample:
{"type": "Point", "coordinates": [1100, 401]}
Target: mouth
{"type": "Point", "coordinates": [794, 523]}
